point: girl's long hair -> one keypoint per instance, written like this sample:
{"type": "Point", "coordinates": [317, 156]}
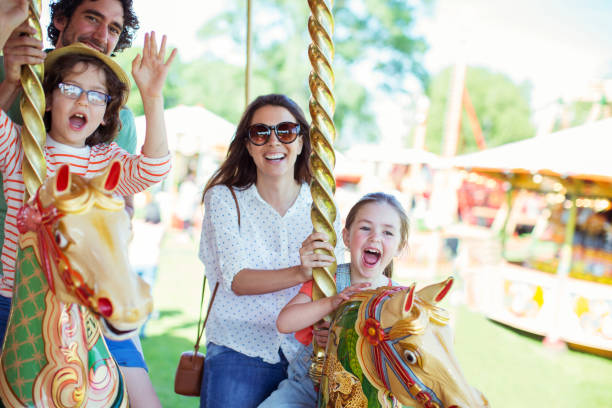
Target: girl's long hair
{"type": "Point", "coordinates": [238, 169]}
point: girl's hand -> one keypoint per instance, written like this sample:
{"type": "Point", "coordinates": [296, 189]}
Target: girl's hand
{"type": "Point", "coordinates": [320, 331]}
{"type": "Point", "coordinates": [347, 293]}
{"type": "Point", "coordinates": [309, 258]}
{"type": "Point", "coordinates": [150, 70]}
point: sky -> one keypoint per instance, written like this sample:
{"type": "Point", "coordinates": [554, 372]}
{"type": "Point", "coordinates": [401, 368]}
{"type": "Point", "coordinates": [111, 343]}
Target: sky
{"type": "Point", "coordinates": [559, 46]}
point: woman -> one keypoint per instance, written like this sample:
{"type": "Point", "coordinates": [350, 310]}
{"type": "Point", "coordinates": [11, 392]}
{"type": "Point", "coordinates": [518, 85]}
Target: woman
{"type": "Point", "coordinates": [257, 263]}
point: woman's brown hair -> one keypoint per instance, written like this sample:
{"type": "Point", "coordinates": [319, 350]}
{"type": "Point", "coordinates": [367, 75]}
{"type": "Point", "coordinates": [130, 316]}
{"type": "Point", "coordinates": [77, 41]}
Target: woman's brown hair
{"type": "Point", "coordinates": [379, 198]}
{"type": "Point", "coordinates": [238, 169]}
{"type": "Point", "coordinates": [115, 88]}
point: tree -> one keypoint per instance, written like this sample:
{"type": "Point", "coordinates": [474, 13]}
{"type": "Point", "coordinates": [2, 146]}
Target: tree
{"type": "Point", "coordinates": [501, 106]}
{"type": "Point", "coordinates": [376, 33]}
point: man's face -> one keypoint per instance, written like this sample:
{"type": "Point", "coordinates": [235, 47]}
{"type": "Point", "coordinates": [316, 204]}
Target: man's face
{"type": "Point", "coordinates": [96, 23]}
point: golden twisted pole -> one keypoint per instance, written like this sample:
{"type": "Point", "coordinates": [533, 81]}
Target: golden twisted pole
{"type": "Point", "coordinates": [32, 107]}
{"type": "Point", "coordinates": [322, 159]}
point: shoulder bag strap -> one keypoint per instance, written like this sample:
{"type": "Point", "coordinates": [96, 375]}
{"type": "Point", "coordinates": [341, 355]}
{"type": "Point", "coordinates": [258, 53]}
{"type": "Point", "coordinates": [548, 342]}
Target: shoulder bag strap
{"type": "Point", "coordinates": [202, 325]}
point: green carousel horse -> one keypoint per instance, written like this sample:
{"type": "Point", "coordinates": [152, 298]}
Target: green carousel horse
{"type": "Point", "coordinates": [73, 283]}
{"type": "Point", "coordinates": [393, 345]}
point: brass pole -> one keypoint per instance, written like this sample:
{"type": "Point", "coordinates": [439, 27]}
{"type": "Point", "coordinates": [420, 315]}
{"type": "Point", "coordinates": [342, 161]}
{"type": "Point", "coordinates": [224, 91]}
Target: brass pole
{"type": "Point", "coordinates": [322, 159]}
{"type": "Point", "coordinates": [247, 73]}
{"type": "Point", "coordinates": [32, 107]}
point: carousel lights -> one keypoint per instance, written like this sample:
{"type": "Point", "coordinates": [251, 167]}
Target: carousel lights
{"type": "Point", "coordinates": [537, 178]}
{"type": "Point", "coordinates": [555, 198]}
{"type": "Point", "coordinates": [602, 204]}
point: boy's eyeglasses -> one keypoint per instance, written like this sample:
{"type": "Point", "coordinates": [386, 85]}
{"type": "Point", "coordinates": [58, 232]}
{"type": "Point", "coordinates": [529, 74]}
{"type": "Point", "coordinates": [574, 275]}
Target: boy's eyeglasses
{"type": "Point", "coordinates": [286, 132]}
{"type": "Point", "coordinates": [74, 92]}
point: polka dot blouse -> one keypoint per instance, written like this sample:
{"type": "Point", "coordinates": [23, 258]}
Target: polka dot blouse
{"type": "Point", "coordinates": [264, 240]}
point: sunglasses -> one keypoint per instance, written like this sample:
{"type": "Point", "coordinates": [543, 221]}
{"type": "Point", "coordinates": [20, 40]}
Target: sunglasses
{"type": "Point", "coordinates": [72, 91]}
{"type": "Point", "coordinates": [286, 132]}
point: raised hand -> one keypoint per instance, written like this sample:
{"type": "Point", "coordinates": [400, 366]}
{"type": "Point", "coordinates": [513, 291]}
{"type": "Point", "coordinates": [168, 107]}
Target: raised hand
{"type": "Point", "coordinates": [149, 69]}
{"type": "Point", "coordinates": [309, 258]}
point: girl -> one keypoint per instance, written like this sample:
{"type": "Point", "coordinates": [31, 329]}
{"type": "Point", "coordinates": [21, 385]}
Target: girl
{"type": "Point", "coordinates": [252, 253]}
{"type": "Point", "coordinates": [84, 91]}
{"type": "Point", "coordinates": [376, 231]}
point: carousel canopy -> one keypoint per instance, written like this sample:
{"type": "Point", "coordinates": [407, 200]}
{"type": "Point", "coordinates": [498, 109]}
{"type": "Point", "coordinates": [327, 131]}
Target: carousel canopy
{"type": "Point", "coordinates": [192, 129]}
{"type": "Point", "coordinates": [579, 153]}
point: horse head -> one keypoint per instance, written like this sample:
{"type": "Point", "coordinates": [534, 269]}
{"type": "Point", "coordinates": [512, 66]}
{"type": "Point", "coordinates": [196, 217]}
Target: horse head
{"type": "Point", "coordinates": [405, 347]}
{"type": "Point", "coordinates": [81, 233]}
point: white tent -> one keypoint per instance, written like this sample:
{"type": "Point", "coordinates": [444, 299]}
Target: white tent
{"type": "Point", "coordinates": [390, 154]}
{"type": "Point", "coordinates": [583, 152]}
{"type": "Point", "coordinates": [192, 129]}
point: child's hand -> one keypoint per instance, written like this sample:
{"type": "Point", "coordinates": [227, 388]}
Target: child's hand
{"type": "Point", "coordinates": [347, 293]}
{"type": "Point", "coordinates": [320, 331]}
{"type": "Point", "coordinates": [309, 258]}
{"type": "Point", "coordinates": [149, 70]}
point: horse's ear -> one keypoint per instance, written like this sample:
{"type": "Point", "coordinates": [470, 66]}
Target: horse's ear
{"type": "Point", "coordinates": [109, 180]}
{"type": "Point", "coordinates": [408, 300]}
{"type": "Point", "coordinates": [62, 180]}
{"type": "Point", "coordinates": [436, 292]}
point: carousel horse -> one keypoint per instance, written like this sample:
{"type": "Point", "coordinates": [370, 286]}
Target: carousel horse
{"type": "Point", "coordinates": [73, 284]}
{"type": "Point", "coordinates": [393, 345]}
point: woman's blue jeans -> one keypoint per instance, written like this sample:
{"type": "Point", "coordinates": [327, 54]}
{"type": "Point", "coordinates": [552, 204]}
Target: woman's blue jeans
{"type": "Point", "coordinates": [232, 379]}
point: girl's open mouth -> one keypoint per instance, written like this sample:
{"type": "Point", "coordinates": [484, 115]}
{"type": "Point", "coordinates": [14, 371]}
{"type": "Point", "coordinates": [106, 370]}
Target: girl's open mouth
{"type": "Point", "coordinates": [371, 256]}
{"type": "Point", "coordinates": [77, 121]}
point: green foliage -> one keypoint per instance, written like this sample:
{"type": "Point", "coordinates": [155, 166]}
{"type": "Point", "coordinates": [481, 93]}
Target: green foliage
{"type": "Point", "coordinates": [501, 106]}
{"type": "Point", "coordinates": [373, 32]}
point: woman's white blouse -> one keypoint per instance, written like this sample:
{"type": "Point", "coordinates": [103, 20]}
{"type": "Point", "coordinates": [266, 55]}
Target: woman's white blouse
{"type": "Point", "coordinates": [264, 240]}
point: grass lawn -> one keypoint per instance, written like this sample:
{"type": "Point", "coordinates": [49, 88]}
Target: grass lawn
{"type": "Point", "coordinates": [511, 369]}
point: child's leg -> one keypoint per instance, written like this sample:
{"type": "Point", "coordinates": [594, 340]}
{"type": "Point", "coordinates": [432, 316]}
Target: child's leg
{"type": "Point", "coordinates": [297, 391]}
{"type": "Point", "coordinates": [5, 309]}
{"type": "Point", "coordinates": [142, 393]}
{"type": "Point", "coordinates": [132, 364]}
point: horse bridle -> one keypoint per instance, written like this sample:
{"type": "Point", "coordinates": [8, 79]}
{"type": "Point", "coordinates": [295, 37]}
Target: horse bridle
{"type": "Point", "coordinates": [41, 220]}
{"type": "Point", "coordinates": [385, 355]}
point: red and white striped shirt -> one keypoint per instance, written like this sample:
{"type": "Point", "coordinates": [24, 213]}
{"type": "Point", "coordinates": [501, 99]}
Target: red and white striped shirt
{"type": "Point", "coordinates": [139, 173]}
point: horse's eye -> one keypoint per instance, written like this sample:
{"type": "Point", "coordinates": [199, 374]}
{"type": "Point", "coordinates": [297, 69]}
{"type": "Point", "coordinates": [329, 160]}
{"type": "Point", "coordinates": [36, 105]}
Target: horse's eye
{"type": "Point", "coordinates": [410, 357]}
{"type": "Point", "coordinates": [60, 239]}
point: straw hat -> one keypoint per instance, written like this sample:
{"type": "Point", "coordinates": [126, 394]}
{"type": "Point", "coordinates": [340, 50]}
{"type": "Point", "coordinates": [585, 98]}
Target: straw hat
{"type": "Point", "coordinates": [81, 49]}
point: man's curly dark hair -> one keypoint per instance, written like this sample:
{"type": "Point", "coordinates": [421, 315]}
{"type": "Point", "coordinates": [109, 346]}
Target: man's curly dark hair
{"type": "Point", "coordinates": [66, 8]}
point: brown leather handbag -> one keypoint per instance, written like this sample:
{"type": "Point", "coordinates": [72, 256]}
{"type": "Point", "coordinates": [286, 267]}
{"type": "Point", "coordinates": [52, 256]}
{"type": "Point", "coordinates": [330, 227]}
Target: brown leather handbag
{"type": "Point", "coordinates": [190, 370]}
{"type": "Point", "coordinates": [188, 377]}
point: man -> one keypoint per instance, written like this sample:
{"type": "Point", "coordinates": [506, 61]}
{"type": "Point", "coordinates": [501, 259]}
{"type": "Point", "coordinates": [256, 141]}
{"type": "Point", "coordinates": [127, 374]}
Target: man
{"type": "Point", "coordinates": [107, 26]}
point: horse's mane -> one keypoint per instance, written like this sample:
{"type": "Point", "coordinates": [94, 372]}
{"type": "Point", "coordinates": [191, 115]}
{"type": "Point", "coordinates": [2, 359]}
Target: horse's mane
{"type": "Point", "coordinates": [421, 314]}
{"type": "Point", "coordinates": [84, 195]}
